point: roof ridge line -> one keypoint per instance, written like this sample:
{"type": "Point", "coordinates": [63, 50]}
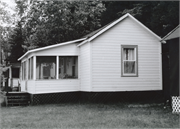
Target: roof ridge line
{"type": "Point", "coordinates": [114, 23]}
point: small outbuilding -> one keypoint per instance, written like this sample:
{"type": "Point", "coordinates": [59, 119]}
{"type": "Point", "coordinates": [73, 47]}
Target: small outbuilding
{"type": "Point", "coordinates": [171, 48]}
{"type": "Point", "coordinates": [122, 56]}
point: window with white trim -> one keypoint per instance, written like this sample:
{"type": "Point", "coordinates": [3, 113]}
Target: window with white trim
{"type": "Point", "coordinates": [68, 67]}
{"type": "Point", "coordinates": [129, 60]}
{"type": "Point", "coordinates": [45, 67]}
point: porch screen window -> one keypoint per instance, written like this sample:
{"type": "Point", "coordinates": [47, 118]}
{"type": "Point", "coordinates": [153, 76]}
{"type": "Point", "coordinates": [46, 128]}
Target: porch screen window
{"type": "Point", "coordinates": [46, 67]}
{"type": "Point", "coordinates": [129, 60]}
{"type": "Point", "coordinates": [24, 70]}
{"type": "Point", "coordinates": [30, 68]}
{"type": "Point", "coordinates": [68, 67]}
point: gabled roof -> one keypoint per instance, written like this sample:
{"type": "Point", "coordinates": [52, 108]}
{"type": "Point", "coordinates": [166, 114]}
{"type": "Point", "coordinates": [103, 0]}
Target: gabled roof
{"type": "Point", "coordinates": [96, 31]}
{"type": "Point", "coordinates": [92, 35]}
{"type": "Point", "coordinates": [175, 33]}
{"type": "Point", "coordinates": [107, 27]}
{"type": "Point", "coordinates": [51, 46]}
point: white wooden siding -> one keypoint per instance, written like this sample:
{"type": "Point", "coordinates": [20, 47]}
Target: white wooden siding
{"type": "Point", "coordinates": [23, 84]}
{"type": "Point", "coordinates": [106, 59]}
{"type": "Point", "coordinates": [50, 86]}
{"type": "Point", "coordinates": [15, 82]}
{"type": "Point", "coordinates": [31, 86]}
{"type": "Point", "coordinates": [70, 49]}
{"type": "Point", "coordinates": [85, 76]}
{"type": "Point", "coordinates": [54, 86]}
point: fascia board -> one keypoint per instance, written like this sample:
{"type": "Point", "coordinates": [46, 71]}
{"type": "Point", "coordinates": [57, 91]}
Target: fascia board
{"type": "Point", "coordinates": [51, 46]}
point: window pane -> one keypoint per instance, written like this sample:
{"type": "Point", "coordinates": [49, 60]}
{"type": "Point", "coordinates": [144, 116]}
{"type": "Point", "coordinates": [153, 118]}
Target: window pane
{"type": "Point", "coordinates": [129, 66]}
{"type": "Point", "coordinates": [25, 70]}
{"type": "Point", "coordinates": [32, 68]}
{"type": "Point", "coordinates": [29, 68]}
{"type": "Point", "coordinates": [128, 54]}
{"type": "Point", "coordinates": [46, 67]}
{"type": "Point", "coordinates": [22, 71]}
{"type": "Point", "coordinates": [68, 67]}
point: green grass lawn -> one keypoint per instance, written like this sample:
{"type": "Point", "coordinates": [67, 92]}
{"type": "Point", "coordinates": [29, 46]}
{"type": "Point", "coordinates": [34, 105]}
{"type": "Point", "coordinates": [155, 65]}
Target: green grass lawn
{"type": "Point", "coordinates": [89, 115]}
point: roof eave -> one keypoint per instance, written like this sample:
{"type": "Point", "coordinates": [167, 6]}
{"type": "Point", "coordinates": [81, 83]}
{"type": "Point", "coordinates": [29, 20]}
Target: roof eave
{"type": "Point", "coordinates": [159, 38]}
{"type": "Point", "coordinates": [51, 46]}
{"type": "Point", "coordinates": [164, 38]}
{"type": "Point", "coordinates": [103, 30]}
{"type": "Point", "coordinates": [83, 42]}
{"type": "Point", "coordinates": [114, 23]}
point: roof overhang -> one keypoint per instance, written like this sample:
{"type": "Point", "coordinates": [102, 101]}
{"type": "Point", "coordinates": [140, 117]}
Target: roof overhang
{"type": "Point", "coordinates": [113, 24]}
{"type": "Point", "coordinates": [51, 46]}
{"type": "Point", "coordinates": [175, 33]}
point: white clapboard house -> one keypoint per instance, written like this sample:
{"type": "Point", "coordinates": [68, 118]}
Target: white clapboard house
{"type": "Point", "coordinates": [122, 56]}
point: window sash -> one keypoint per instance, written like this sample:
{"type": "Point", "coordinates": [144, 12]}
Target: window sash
{"type": "Point", "coordinates": [129, 68]}
{"type": "Point", "coordinates": [128, 53]}
{"type": "Point", "coordinates": [132, 70]}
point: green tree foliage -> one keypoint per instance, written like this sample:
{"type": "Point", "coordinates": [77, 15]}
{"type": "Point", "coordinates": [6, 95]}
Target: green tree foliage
{"type": "Point", "coordinates": [43, 23]}
{"type": "Point", "coordinates": [16, 41]}
{"type": "Point", "coordinates": [159, 16]}
{"type": "Point", "coordinates": [16, 38]}
{"type": "Point", "coordinates": [21, 7]}
{"type": "Point", "coordinates": [113, 8]}
{"type": "Point", "coordinates": [165, 17]}
{"type": "Point", "coordinates": [51, 22]}
{"type": "Point", "coordinates": [6, 22]}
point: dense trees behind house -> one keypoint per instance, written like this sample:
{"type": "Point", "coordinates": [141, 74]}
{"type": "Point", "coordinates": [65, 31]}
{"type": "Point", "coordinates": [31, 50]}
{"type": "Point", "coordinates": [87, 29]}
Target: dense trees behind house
{"type": "Point", "coordinates": [42, 23]}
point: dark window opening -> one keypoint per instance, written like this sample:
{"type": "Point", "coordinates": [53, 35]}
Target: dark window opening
{"type": "Point", "coordinates": [15, 72]}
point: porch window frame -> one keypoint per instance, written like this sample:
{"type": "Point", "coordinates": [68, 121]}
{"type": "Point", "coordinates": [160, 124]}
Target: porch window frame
{"type": "Point", "coordinates": [135, 47]}
{"type": "Point", "coordinates": [24, 70]}
{"type": "Point", "coordinates": [35, 63]}
{"type": "Point", "coordinates": [64, 67]}
{"type": "Point", "coordinates": [29, 68]}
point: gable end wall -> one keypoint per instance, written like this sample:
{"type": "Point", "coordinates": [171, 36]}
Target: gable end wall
{"type": "Point", "coordinates": [106, 59]}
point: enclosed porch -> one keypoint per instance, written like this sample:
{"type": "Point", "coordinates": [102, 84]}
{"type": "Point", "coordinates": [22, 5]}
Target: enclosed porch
{"type": "Point", "coordinates": [49, 74]}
